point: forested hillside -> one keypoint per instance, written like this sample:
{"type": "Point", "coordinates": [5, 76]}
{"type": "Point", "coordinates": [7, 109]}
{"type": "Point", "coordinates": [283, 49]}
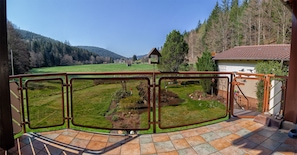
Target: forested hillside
{"type": "Point", "coordinates": [235, 23]}
{"type": "Point", "coordinates": [46, 52]}
{"type": "Point", "coordinates": [102, 52]}
{"type": "Point", "coordinates": [33, 50]}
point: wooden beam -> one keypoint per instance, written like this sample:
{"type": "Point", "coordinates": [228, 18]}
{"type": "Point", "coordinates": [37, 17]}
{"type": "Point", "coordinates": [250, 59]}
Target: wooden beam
{"type": "Point", "coordinates": [6, 130]}
{"type": "Point", "coordinates": [291, 97]}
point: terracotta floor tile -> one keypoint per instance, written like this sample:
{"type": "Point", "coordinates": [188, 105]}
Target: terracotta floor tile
{"type": "Point", "coordinates": [169, 153]}
{"type": "Point", "coordinates": [266, 132]}
{"type": "Point", "coordinates": [238, 137]}
{"type": "Point", "coordinates": [220, 144]}
{"type": "Point", "coordinates": [116, 139]}
{"type": "Point", "coordinates": [245, 144]}
{"type": "Point", "coordinates": [279, 136]}
{"type": "Point", "coordinates": [96, 145]}
{"type": "Point", "coordinates": [286, 149]}
{"type": "Point", "coordinates": [130, 148]}
{"type": "Point", "coordinates": [187, 151]}
{"type": "Point", "coordinates": [38, 144]}
{"type": "Point", "coordinates": [246, 123]}
{"type": "Point", "coordinates": [210, 136]}
{"type": "Point", "coordinates": [70, 133]}
{"type": "Point", "coordinates": [234, 128]}
{"type": "Point", "coordinates": [160, 137]}
{"type": "Point", "coordinates": [232, 137]}
{"type": "Point", "coordinates": [292, 142]}
{"type": "Point", "coordinates": [244, 133]}
{"type": "Point", "coordinates": [26, 150]}
{"type": "Point", "coordinates": [232, 150]}
{"type": "Point", "coordinates": [202, 130]}
{"type": "Point", "coordinates": [84, 135]}
{"type": "Point", "coordinates": [259, 150]}
{"type": "Point", "coordinates": [225, 124]}
{"type": "Point", "coordinates": [148, 148]}
{"type": "Point", "coordinates": [166, 146]}
{"type": "Point", "coordinates": [189, 133]}
{"type": "Point", "coordinates": [255, 127]}
{"type": "Point", "coordinates": [79, 142]}
{"type": "Point", "coordinates": [270, 144]}
{"type": "Point", "coordinates": [222, 132]}
{"type": "Point", "coordinates": [256, 138]}
{"type": "Point", "coordinates": [100, 138]}
{"type": "Point", "coordinates": [175, 136]}
{"type": "Point", "coordinates": [64, 139]}
{"type": "Point", "coordinates": [60, 131]}
{"type": "Point", "coordinates": [196, 140]}
{"type": "Point", "coordinates": [204, 149]}
{"type": "Point", "coordinates": [213, 127]}
{"type": "Point", "coordinates": [180, 144]}
{"type": "Point", "coordinates": [146, 139]}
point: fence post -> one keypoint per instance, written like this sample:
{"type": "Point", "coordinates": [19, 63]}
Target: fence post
{"type": "Point", "coordinates": [154, 103]}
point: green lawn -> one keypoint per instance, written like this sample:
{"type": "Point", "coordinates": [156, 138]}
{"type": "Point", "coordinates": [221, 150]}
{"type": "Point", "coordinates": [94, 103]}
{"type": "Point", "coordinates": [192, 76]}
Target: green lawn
{"type": "Point", "coordinates": [91, 101]}
{"type": "Point", "coordinates": [189, 111]}
{"type": "Point", "coordinates": [95, 68]}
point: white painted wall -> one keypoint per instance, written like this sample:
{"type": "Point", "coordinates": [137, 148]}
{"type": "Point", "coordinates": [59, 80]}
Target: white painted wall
{"type": "Point", "coordinates": [237, 66]}
{"type": "Point", "coordinates": [249, 88]}
{"type": "Point", "coordinates": [275, 97]}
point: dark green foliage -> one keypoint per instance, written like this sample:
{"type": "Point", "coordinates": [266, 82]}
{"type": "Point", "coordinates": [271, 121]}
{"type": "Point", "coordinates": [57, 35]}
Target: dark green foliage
{"type": "Point", "coordinates": [21, 55]}
{"type": "Point", "coordinates": [134, 58]}
{"type": "Point", "coordinates": [268, 67]}
{"type": "Point", "coordinates": [119, 94]}
{"type": "Point", "coordinates": [173, 53]}
{"type": "Point", "coordinates": [102, 52]}
{"type": "Point", "coordinates": [205, 63]}
{"type": "Point", "coordinates": [238, 23]}
{"type": "Point", "coordinates": [47, 52]}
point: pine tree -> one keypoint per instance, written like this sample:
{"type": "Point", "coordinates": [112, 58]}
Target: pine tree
{"type": "Point", "coordinates": [205, 63]}
{"type": "Point", "coordinates": [173, 52]}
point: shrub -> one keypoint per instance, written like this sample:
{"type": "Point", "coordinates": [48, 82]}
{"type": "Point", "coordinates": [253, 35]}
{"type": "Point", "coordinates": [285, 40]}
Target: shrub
{"type": "Point", "coordinates": [129, 102]}
{"type": "Point", "coordinates": [268, 67]}
{"type": "Point", "coordinates": [205, 63]}
{"type": "Point", "coordinates": [119, 94]}
{"type": "Point", "coordinates": [115, 118]}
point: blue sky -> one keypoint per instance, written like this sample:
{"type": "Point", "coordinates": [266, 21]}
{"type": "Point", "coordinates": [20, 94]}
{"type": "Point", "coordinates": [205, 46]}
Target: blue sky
{"type": "Point", "coordinates": [126, 27]}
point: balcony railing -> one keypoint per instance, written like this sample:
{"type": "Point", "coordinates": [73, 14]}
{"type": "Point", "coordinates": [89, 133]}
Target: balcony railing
{"type": "Point", "coordinates": [130, 101]}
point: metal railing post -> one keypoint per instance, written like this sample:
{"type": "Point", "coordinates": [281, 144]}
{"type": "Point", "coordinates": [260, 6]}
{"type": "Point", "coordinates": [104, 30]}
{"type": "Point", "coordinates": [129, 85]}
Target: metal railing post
{"type": "Point", "coordinates": [67, 102]}
{"type": "Point", "coordinates": [154, 103]}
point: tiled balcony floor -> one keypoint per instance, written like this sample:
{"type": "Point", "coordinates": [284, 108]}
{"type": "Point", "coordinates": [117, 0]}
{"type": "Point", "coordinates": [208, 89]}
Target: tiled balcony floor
{"type": "Point", "coordinates": [236, 136]}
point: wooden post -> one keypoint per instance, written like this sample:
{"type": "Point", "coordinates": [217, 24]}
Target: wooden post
{"type": "Point", "coordinates": [6, 131]}
{"type": "Point", "coordinates": [291, 96]}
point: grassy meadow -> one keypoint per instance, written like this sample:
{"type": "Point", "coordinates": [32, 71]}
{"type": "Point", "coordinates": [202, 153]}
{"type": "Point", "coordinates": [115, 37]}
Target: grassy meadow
{"type": "Point", "coordinates": [91, 101]}
{"type": "Point", "coordinates": [95, 68]}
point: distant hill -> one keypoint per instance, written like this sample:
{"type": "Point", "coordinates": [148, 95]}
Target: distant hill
{"type": "Point", "coordinates": [47, 52]}
{"type": "Point", "coordinates": [141, 56]}
{"type": "Point", "coordinates": [102, 52]}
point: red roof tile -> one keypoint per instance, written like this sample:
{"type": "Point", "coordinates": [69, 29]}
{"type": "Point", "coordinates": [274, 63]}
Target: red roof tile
{"type": "Point", "coordinates": [256, 52]}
